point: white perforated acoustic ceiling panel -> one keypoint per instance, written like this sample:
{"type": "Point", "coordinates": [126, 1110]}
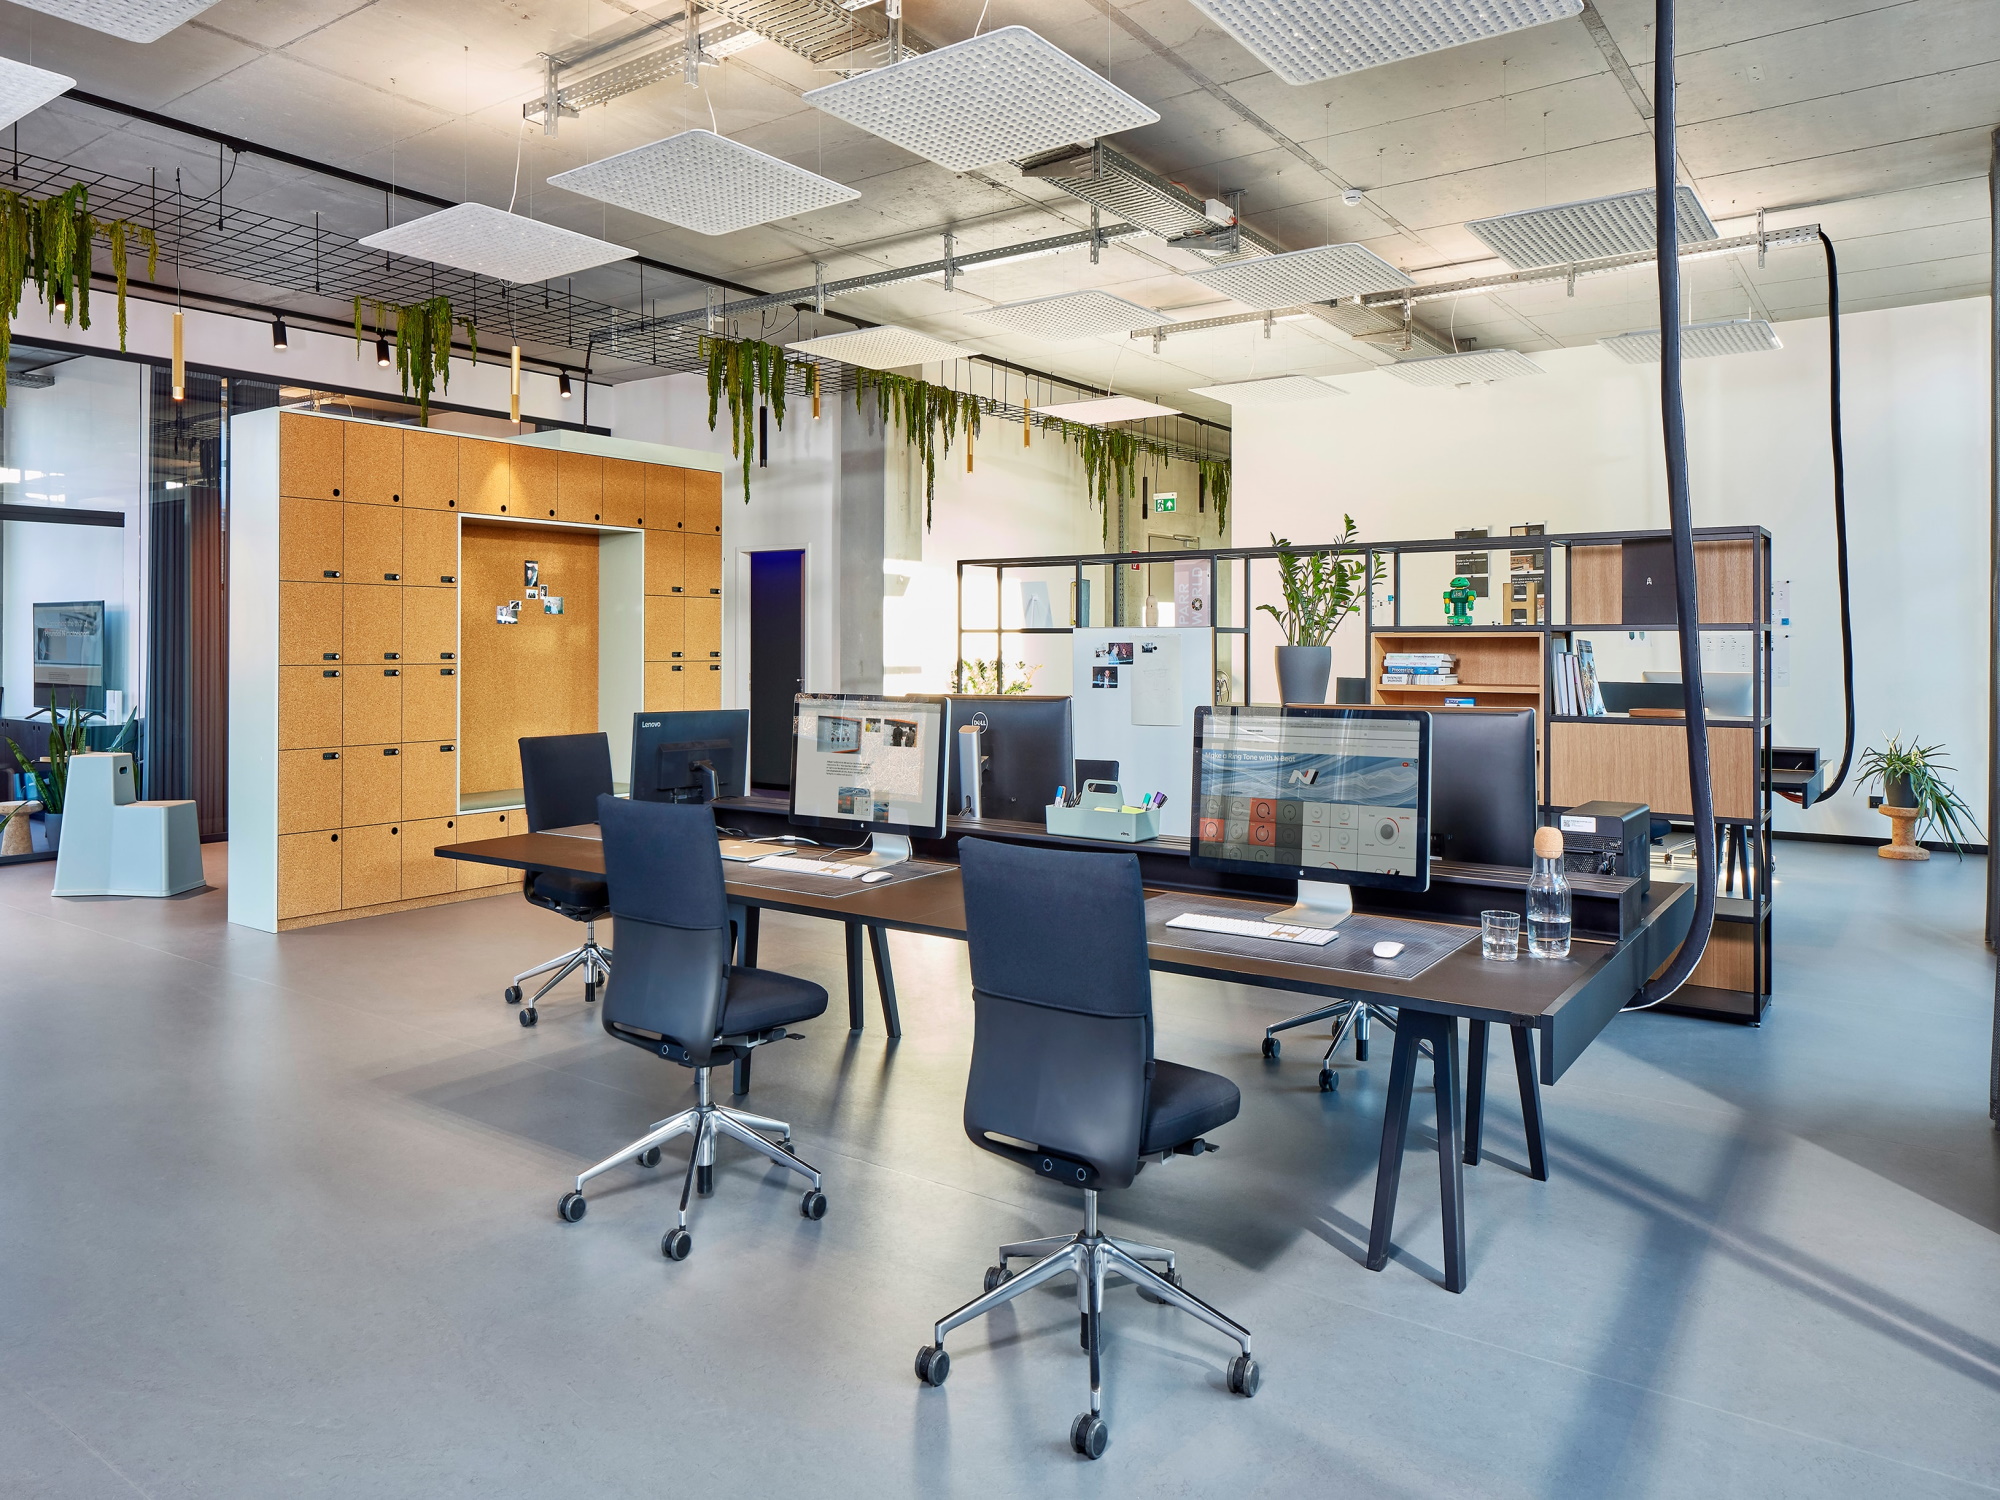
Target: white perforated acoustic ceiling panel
{"type": "Point", "coordinates": [1103, 409]}
{"type": "Point", "coordinates": [1478, 367]}
{"type": "Point", "coordinates": [1277, 388]}
{"type": "Point", "coordinates": [1303, 41]}
{"type": "Point", "coordinates": [884, 348]}
{"type": "Point", "coordinates": [1698, 341]}
{"type": "Point", "coordinates": [493, 242]}
{"type": "Point", "coordinates": [134, 20]}
{"type": "Point", "coordinates": [993, 98]}
{"type": "Point", "coordinates": [1297, 277]}
{"type": "Point", "coordinates": [1071, 315]}
{"type": "Point", "coordinates": [1623, 224]}
{"type": "Point", "coordinates": [704, 182]}
{"type": "Point", "coordinates": [23, 89]}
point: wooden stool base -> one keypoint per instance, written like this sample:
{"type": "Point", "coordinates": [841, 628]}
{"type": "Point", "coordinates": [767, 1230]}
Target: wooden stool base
{"type": "Point", "coordinates": [1903, 843]}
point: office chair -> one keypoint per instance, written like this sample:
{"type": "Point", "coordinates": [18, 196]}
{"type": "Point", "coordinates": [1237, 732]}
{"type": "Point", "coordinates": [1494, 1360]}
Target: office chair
{"type": "Point", "coordinates": [677, 995]}
{"type": "Point", "coordinates": [1065, 1083]}
{"type": "Point", "coordinates": [562, 776]}
{"type": "Point", "coordinates": [1348, 1015]}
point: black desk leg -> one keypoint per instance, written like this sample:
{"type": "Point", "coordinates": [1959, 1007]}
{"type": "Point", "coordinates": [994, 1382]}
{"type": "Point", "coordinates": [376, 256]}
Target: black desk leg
{"type": "Point", "coordinates": [853, 976]}
{"type": "Point", "coordinates": [1413, 1029]}
{"type": "Point", "coordinates": [1531, 1103]}
{"type": "Point", "coordinates": [1395, 1131]}
{"type": "Point", "coordinates": [885, 979]}
{"type": "Point", "coordinates": [751, 919]}
{"type": "Point", "coordinates": [1475, 1090]}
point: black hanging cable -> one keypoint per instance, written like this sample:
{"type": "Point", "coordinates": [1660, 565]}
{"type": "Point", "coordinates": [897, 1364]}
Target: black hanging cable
{"type": "Point", "coordinates": [1680, 518]}
{"type": "Point", "coordinates": [1839, 515]}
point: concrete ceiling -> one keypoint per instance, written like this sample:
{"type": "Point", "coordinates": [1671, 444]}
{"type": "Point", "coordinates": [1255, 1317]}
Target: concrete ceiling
{"type": "Point", "coordinates": [1870, 118]}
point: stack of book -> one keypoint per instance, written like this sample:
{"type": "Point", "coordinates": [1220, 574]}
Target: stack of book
{"type": "Point", "coordinates": [1576, 690]}
{"type": "Point", "coordinates": [1419, 669]}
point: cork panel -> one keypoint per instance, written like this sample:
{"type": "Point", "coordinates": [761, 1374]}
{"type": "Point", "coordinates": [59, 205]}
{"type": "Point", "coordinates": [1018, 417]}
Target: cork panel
{"type": "Point", "coordinates": [666, 629]}
{"type": "Point", "coordinates": [430, 780]}
{"type": "Point", "coordinates": [494, 825]}
{"type": "Point", "coordinates": [371, 784]}
{"type": "Point", "coordinates": [371, 623]}
{"type": "Point", "coordinates": [371, 865]}
{"type": "Point", "coordinates": [309, 623]}
{"type": "Point", "coordinates": [309, 539]}
{"type": "Point", "coordinates": [664, 687]}
{"type": "Point", "coordinates": [373, 544]}
{"type": "Point", "coordinates": [424, 873]}
{"type": "Point", "coordinates": [430, 470]}
{"type": "Point", "coordinates": [704, 686]}
{"type": "Point", "coordinates": [371, 706]}
{"type": "Point", "coordinates": [309, 704]}
{"type": "Point", "coordinates": [703, 492]}
{"type": "Point", "coordinates": [430, 703]}
{"type": "Point", "coordinates": [666, 562]}
{"type": "Point", "coordinates": [374, 464]}
{"type": "Point", "coordinates": [308, 874]}
{"type": "Point", "coordinates": [430, 625]}
{"type": "Point", "coordinates": [703, 634]}
{"type": "Point", "coordinates": [532, 486]}
{"type": "Point", "coordinates": [666, 500]}
{"type": "Point", "coordinates": [483, 477]}
{"type": "Point", "coordinates": [312, 457]}
{"type": "Point", "coordinates": [308, 790]}
{"type": "Point", "coordinates": [704, 565]}
{"type": "Point", "coordinates": [624, 492]}
{"type": "Point", "coordinates": [430, 548]}
{"type": "Point", "coordinates": [579, 488]}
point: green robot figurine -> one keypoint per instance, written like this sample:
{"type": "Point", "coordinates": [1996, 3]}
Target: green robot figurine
{"type": "Point", "coordinates": [1458, 602]}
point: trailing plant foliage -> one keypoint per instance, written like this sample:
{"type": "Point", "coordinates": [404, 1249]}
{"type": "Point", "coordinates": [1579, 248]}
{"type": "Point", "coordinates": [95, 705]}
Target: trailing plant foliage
{"type": "Point", "coordinates": [930, 416]}
{"type": "Point", "coordinates": [423, 345]}
{"type": "Point", "coordinates": [49, 241]}
{"type": "Point", "coordinates": [1321, 589]}
{"type": "Point", "coordinates": [1215, 486]}
{"type": "Point", "coordinates": [748, 372]}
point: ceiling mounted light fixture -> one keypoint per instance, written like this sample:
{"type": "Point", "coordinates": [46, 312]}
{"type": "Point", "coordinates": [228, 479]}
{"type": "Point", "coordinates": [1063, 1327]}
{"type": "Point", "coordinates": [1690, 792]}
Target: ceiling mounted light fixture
{"type": "Point", "coordinates": [884, 348]}
{"type": "Point", "coordinates": [1270, 391]}
{"type": "Point", "coordinates": [1589, 229]}
{"type": "Point", "coordinates": [23, 89]}
{"type": "Point", "coordinates": [993, 98]}
{"type": "Point", "coordinates": [1104, 409]}
{"type": "Point", "coordinates": [1480, 367]}
{"type": "Point", "coordinates": [705, 182]}
{"type": "Point", "coordinates": [134, 20]}
{"type": "Point", "coordinates": [562, 386]}
{"type": "Point", "coordinates": [493, 242]}
{"type": "Point", "coordinates": [1070, 315]}
{"type": "Point", "coordinates": [382, 352]}
{"type": "Point", "coordinates": [1304, 41]}
{"type": "Point", "coordinates": [280, 339]}
{"type": "Point", "coordinates": [1698, 341]}
{"type": "Point", "coordinates": [1324, 274]}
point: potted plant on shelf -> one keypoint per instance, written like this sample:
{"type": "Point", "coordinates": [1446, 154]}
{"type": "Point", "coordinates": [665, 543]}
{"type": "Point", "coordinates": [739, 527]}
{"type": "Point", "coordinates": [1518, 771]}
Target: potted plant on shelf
{"type": "Point", "coordinates": [65, 739]}
{"type": "Point", "coordinates": [1321, 589]}
{"type": "Point", "coordinates": [1915, 796]}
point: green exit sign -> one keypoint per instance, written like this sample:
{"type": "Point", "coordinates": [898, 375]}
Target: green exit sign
{"type": "Point", "coordinates": [1165, 501]}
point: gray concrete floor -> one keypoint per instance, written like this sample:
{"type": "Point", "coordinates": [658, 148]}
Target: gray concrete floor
{"type": "Point", "coordinates": [279, 1220]}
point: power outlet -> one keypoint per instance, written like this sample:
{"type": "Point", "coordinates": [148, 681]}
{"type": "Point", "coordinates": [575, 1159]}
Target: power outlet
{"type": "Point", "coordinates": [1874, 801]}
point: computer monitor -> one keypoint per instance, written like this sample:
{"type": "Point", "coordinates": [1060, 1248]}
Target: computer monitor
{"type": "Point", "coordinates": [695, 755]}
{"type": "Point", "coordinates": [1329, 797]}
{"type": "Point", "coordinates": [1021, 745]}
{"type": "Point", "coordinates": [1484, 809]}
{"type": "Point", "coordinates": [69, 655]}
{"type": "Point", "coordinates": [869, 764]}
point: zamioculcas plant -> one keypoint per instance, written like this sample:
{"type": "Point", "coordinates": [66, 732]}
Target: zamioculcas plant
{"type": "Point", "coordinates": [1321, 589]}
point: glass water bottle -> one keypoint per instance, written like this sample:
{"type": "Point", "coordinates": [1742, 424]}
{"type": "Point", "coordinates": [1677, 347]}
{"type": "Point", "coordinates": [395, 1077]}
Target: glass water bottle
{"type": "Point", "coordinates": [1548, 898]}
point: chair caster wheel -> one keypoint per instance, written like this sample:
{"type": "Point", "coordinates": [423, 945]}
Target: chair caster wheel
{"type": "Point", "coordinates": [1271, 1050]}
{"type": "Point", "coordinates": [676, 1243]}
{"type": "Point", "coordinates": [650, 1157]}
{"type": "Point", "coordinates": [813, 1204]}
{"type": "Point", "coordinates": [997, 1277]}
{"type": "Point", "coordinates": [570, 1208]}
{"type": "Point", "coordinates": [528, 1016]}
{"type": "Point", "coordinates": [1089, 1436]}
{"type": "Point", "coordinates": [933, 1364]}
{"type": "Point", "coordinates": [1329, 1081]}
{"type": "Point", "coordinates": [1172, 1277]}
{"type": "Point", "coordinates": [1244, 1375]}
{"type": "Point", "coordinates": [512, 994]}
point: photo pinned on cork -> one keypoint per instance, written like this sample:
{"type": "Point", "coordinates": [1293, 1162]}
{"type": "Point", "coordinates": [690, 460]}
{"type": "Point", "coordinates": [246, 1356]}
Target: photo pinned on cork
{"type": "Point", "coordinates": [552, 604]}
{"type": "Point", "coordinates": [508, 613]}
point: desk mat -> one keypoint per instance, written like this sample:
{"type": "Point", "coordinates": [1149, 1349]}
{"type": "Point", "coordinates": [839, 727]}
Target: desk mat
{"type": "Point", "coordinates": [827, 885]}
{"type": "Point", "coordinates": [1424, 943]}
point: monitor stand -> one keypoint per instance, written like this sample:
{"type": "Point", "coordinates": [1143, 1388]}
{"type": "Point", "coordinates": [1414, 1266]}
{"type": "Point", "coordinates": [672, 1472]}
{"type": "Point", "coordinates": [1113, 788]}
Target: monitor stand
{"type": "Point", "coordinates": [884, 849]}
{"type": "Point", "coordinates": [1322, 904]}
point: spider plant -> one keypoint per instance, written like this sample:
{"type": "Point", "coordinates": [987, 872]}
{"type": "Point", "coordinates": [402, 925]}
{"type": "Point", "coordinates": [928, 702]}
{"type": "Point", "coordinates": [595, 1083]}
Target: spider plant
{"type": "Point", "coordinates": [1912, 776]}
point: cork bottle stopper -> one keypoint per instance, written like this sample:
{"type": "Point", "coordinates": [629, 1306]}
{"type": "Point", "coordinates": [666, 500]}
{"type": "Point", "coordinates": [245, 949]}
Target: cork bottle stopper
{"type": "Point", "coordinates": [1548, 843]}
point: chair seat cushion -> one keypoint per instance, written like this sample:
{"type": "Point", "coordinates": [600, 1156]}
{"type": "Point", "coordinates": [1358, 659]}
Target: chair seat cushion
{"type": "Point", "coordinates": [569, 893]}
{"type": "Point", "coordinates": [760, 998]}
{"type": "Point", "coordinates": [1185, 1102]}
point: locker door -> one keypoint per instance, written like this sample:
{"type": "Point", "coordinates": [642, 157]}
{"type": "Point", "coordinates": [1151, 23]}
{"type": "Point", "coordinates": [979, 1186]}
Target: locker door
{"type": "Point", "coordinates": [430, 548]}
{"type": "Point", "coordinates": [666, 498]}
{"type": "Point", "coordinates": [309, 539]}
{"type": "Point", "coordinates": [308, 874]}
{"type": "Point", "coordinates": [374, 543]}
{"type": "Point", "coordinates": [624, 492]}
{"type": "Point", "coordinates": [704, 501]}
{"type": "Point", "coordinates": [532, 486]}
{"type": "Point", "coordinates": [666, 629]}
{"type": "Point", "coordinates": [430, 780]}
{"type": "Point", "coordinates": [483, 477]}
{"type": "Point", "coordinates": [430, 625]}
{"type": "Point", "coordinates": [371, 785]}
{"type": "Point", "coordinates": [372, 706]}
{"type": "Point", "coordinates": [580, 488]}
{"type": "Point", "coordinates": [309, 707]}
{"type": "Point", "coordinates": [666, 566]}
{"type": "Point", "coordinates": [372, 622]}
{"type": "Point", "coordinates": [309, 623]}
{"type": "Point", "coordinates": [312, 459]}
{"type": "Point", "coordinates": [374, 463]}
{"type": "Point", "coordinates": [424, 874]}
{"type": "Point", "coordinates": [704, 565]}
{"type": "Point", "coordinates": [371, 865]}
{"type": "Point", "coordinates": [308, 790]}
{"type": "Point", "coordinates": [430, 702]}
{"type": "Point", "coordinates": [664, 687]}
{"type": "Point", "coordinates": [430, 471]}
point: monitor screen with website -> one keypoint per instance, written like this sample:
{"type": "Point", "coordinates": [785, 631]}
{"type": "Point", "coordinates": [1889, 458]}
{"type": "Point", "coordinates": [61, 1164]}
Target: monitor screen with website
{"type": "Point", "coordinates": [69, 654]}
{"type": "Point", "coordinates": [1338, 795]}
{"type": "Point", "coordinates": [870, 763]}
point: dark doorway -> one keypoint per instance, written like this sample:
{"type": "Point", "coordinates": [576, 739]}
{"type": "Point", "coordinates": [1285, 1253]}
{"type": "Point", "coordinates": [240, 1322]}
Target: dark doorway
{"type": "Point", "coordinates": [777, 661]}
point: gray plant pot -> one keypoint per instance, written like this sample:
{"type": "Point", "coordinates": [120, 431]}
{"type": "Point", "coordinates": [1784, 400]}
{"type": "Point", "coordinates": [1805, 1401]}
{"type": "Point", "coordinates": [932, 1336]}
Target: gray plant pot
{"type": "Point", "coordinates": [1896, 792]}
{"type": "Point", "coordinates": [1303, 672]}
{"type": "Point", "coordinates": [44, 832]}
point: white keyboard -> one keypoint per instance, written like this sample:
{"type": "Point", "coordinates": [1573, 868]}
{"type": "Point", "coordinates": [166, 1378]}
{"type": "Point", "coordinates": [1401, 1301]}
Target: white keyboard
{"type": "Point", "coordinates": [1277, 932]}
{"type": "Point", "coordinates": [799, 866]}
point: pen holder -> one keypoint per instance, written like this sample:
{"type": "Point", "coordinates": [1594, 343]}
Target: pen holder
{"type": "Point", "coordinates": [1101, 815]}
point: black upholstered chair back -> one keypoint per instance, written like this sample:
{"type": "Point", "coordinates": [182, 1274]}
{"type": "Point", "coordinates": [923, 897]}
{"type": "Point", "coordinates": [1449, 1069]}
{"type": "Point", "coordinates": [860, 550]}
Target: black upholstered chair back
{"type": "Point", "coordinates": [664, 870]}
{"type": "Point", "coordinates": [562, 776]}
{"type": "Point", "coordinates": [1062, 1043]}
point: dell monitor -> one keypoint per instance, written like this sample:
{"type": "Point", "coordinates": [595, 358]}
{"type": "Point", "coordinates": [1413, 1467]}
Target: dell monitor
{"type": "Point", "coordinates": [1020, 747]}
{"type": "Point", "coordinates": [1484, 810]}
{"type": "Point", "coordinates": [1329, 797]}
{"type": "Point", "coordinates": [69, 655]}
{"type": "Point", "coordinates": [691, 756]}
{"type": "Point", "coordinates": [870, 765]}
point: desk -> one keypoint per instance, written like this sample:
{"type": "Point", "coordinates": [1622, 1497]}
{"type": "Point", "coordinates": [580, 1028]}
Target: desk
{"type": "Point", "coordinates": [1558, 1006]}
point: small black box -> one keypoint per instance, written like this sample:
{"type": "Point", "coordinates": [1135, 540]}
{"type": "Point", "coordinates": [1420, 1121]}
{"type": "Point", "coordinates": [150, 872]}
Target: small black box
{"type": "Point", "coordinates": [1609, 838]}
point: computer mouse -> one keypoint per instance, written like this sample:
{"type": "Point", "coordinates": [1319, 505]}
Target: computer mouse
{"type": "Point", "coordinates": [873, 876]}
{"type": "Point", "coordinates": [1386, 949]}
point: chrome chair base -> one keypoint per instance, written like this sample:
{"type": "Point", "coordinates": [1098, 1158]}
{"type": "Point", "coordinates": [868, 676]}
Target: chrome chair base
{"type": "Point", "coordinates": [1347, 1015]}
{"type": "Point", "coordinates": [595, 961]}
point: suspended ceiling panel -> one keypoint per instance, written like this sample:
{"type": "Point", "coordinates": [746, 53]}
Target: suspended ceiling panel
{"type": "Point", "coordinates": [993, 98]}
{"type": "Point", "coordinates": [1482, 366]}
{"type": "Point", "coordinates": [884, 348]}
{"type": "Point", "coordinates": [1297, 277]}
{"type": "Point", "coordinates": [493, 242]}
{"type": "Point", "coordinates": [1698, 341]}
{"type": "Point", "coordinates": [1106, 409]}
{"type": "Point", "coordinates": [23, 89]}
{"type": "Point", "coordinates": [1278, 389]}
{"type": "Point", "coordinates": [1590, 229]}
{"type": "Point", "coordinates": [1304, 41]}
{"type": "Point", "coordinates": [1070, 315]}
{"type": "Point", "coordinates": [704, 182]}
{"type": "Point", "coordinates": [134, 20]}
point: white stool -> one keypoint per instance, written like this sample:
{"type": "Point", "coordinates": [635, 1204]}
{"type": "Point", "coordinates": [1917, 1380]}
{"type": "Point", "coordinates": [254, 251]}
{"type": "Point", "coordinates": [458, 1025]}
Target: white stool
{"type": "Point", "coordinates": [115, 846]}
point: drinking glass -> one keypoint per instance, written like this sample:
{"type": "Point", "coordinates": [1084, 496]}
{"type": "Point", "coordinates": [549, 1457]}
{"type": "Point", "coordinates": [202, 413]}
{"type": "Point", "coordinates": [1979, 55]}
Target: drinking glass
{"type": "Point", "coordinates": [1500, 935]}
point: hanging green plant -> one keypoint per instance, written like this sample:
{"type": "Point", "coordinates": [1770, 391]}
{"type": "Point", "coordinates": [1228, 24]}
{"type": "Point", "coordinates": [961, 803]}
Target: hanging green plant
{"type": "Point", "coordinates": [1215, 486]}
{"type": "Point", "coordinates": [423, 345]}
{"type": "Point", "coordinates": [749, 372]}
{"type": "Point", "coordinates": [49, 241]}
{"type": "Point", "coordinates": [930, 416]}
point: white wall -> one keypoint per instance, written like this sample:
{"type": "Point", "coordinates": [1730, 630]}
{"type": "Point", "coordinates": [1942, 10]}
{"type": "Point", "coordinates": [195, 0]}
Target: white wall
{"type": "Point", "coordinates": [1579, 449]}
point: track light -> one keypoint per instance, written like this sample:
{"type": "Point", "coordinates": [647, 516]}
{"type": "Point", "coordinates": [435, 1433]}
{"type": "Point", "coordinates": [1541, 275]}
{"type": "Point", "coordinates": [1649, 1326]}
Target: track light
{"type": "Point", "coordinates": [179, 374]}
{"type": "Point", "coordinates": [279, 338]}
{"type": "Point", "coordinates": [514, 384]}
{"type": "Point", "coordinates": [562, 386]}
{"type": "Point", "coordinates": [382, 352]}
{"type": "Point", "coordinates": [62, 306]}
